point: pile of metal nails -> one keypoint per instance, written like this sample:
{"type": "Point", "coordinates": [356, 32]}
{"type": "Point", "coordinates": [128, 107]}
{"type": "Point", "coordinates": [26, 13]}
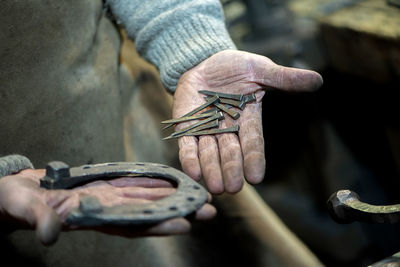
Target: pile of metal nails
{"type": "Point", "coordinates": [216, 105]}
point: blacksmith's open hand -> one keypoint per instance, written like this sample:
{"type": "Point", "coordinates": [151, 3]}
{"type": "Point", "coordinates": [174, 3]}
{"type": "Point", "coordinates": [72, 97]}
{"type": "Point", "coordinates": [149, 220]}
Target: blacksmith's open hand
{"type": "Point", "coordinates": [225, 160]}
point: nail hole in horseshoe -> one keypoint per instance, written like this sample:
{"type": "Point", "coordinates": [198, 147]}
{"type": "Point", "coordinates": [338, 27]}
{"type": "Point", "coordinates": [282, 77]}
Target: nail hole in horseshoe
{"type": "Point", "coordinates": [147, 211]}
{"type": "Point", "coordinates": [196, 187]}
{"type": "Point", "coordinates": [190, 198]}
{"type": "Point", "coordinates": [112, 164]}
{"type": "Point", "coordinates": [173, 208]}
{"type": "Point", "coordinates": [86, 167]}
{"type": "Point", "coordinates": [139, 164]}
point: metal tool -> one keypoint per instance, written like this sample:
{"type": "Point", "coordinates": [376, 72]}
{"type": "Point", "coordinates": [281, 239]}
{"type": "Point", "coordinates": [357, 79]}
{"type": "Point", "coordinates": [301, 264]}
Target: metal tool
{"type": "Point", "coordinates": [235, 103]}
{"type": "Point", "coordinates": [231, 102]}
{"type": "Point", "coordinates": [249, 98]}
{"type": "Point", "coordinates": [222, 95]}
{"type": "Point", "coordinates": [345, 207]}
{"type": "Point", "coordinates": [222, 102]}
{"type": "Point", "coordinates": [211, 101]}
{"type": "Point", "coordinates": [209, 125]}
{"type": "Point", "coordinates": [217, 116]}
{"type": "Point", "coordinates": [209, 110]}
{"type": "Point", "coordinates": [191, 118]}
{"type": "Point", "coordinates": [188, 197]}
{"type": "Point", "coordinates": [233, 129]}
{"type": "Point", "coordinates": [235, 115]}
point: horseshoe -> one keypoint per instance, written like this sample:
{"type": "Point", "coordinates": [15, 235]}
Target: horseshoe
{"type": "Point", "coordinates": [345, 206]}
{"type": "Point", "coordinates": [188, 197]}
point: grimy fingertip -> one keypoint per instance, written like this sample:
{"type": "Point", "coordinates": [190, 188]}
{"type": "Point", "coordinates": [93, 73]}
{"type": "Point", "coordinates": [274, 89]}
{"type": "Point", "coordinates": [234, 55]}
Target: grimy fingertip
{"type": "Point", "coordinates": [49, 232]}
{"type": "Point", "coordinates": [254, 167]}
{"type": "Point", "coordinates": [48, 228]}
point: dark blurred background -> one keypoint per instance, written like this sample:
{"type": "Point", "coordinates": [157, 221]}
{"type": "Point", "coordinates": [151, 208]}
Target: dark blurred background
{"type": "Point", "coordinates": [344, 136]}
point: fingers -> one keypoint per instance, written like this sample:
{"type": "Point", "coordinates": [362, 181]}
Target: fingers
{"type": "Point", "coordinates": [210, 166]}
{"type": "Point", "coordinates": [146, 193]}
{"type": "Point", "coordinates": [270, 74]}
{"type": "Point", "coordinates": [174, 226]}
{"type": "Point", "coordinates": [113, 196]}
{"type": "Point", "coordinates": [180, 225]}
{"type": "Point", "coordinates": [231, 161]}
{"type": "Point", "coordinates": [63, 201]}
{"type": "Point", "coordinates": [188, 156]}
{"type": "Point", "coordinates": [206, 212]}
{"type": "Point", "coordinates": [252, 143]}
{"type": "Point", "coordinates": [46, 221]}
{"type": "Point", "coordinates": [21, 200]}
{"type": "Point", "coordinates": [140, 182]}
{"type": "Point", "coordinates": [231, 158]}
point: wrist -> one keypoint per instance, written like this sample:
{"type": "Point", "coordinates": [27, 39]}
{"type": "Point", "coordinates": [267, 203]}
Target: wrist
{"type": "Point", "coordinates": [183, 37]}
{"type": "Point", "coordinates": [13, 164]}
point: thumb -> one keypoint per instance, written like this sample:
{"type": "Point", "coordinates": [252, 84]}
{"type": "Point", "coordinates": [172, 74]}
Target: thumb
{"type": "Point", "coordinates": [47, 223]}
{"type": "Point", "coordinates": [276, 76]}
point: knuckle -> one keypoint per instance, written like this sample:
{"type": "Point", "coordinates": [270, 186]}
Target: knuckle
{"type": "Point", "coordinates": [188, 152]}
{"type": "Point", "coordinates": [255, 143]}
{"type": "Point", "coordinates": [232, 154]}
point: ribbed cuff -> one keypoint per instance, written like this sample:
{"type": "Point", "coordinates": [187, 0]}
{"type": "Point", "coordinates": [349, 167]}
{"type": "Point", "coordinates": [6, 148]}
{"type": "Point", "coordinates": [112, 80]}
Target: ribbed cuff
{"type": "Point", "coordinates": [14, 163]}
{"type": "Point", "coordinates": [183, 46]}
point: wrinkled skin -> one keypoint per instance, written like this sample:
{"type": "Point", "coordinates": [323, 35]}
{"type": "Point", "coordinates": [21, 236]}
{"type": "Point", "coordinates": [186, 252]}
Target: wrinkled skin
{"type": "Point", "coordinates": [23, 204]}
{"type": "Point", "coordinates": [225, 160]}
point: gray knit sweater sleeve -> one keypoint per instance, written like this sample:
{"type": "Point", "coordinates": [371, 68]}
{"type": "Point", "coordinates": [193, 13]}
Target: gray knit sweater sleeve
{"type": "Point", "coordinates": [174, 35]}
{"type": "Point", "coordinates": [13, 164]}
